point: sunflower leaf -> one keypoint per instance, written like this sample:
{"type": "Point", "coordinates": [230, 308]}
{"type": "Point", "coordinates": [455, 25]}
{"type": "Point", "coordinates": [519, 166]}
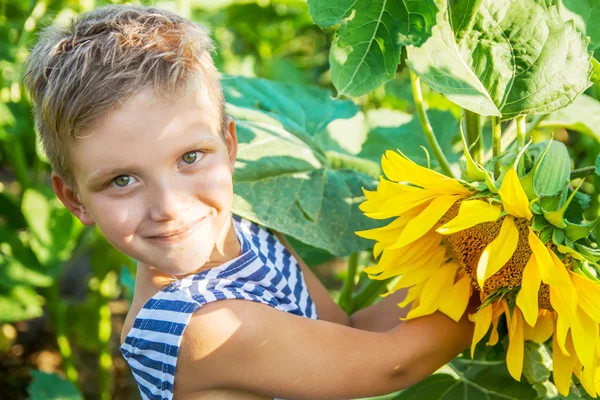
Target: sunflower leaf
{"type": "Point", "coordinates": [580, 231]}
{"type": "Point", "coordinates": [540, 63]}
{"type": "Point", "coordinates": [585, 15]}
{"type": "Point", "coordinates": [468, 380]}
{"type": "Point", "coordinates": [283, 178]}
{"type": "Point", "coordinates": [366, 52]}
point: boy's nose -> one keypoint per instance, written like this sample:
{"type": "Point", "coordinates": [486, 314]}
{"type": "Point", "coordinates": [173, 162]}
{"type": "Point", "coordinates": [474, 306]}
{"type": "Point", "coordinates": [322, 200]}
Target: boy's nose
{"type": "Point", "coordinates": [167, 203]}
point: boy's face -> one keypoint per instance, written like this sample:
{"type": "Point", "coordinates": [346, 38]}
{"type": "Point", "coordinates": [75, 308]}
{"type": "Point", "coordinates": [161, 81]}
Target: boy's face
{"type": "Point", "coordinates": [156, 178]}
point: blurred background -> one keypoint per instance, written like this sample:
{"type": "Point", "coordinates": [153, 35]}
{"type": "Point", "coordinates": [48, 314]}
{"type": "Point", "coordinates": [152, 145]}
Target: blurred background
{"type": "Point", "coordinates": [64, 291]}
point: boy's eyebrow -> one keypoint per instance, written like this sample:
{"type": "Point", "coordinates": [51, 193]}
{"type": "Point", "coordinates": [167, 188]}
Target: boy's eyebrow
{"type": "Point", "coordinates": [106, 172]}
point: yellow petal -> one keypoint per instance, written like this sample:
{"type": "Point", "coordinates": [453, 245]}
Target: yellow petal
{"type": "Point", "coordinates": [414, 277]}
{"type": "Point", "coordinates": [587, 377]}
{"type": "Point", "coordinates": [396, 260]}
{"type": "Point", "coordinates": [413, 294]}
{"type": "Point", "coordinates": [397, 205]}
{"type": "Point", "coordinates": [471, 213]}
{"type": "Point", "coordinates": [431, 260]}
{"type": "Point", "coordinates": [421, 224]}
{"type": "Point", "coordinates": [563, 366]}
{"type": "Point", "coordinates": [564, 300]}
{"type": "Point", "coordinates": [458, 299]}
{"type": "Point", "coordinates": [543, 329]}
{"type": "Point", "coordinates": [588, 295]}
{"type": "Point", "coordinates": [584, 335]}
{"type": "Point", "coordinates": [527, 298]}
{"type": "Point", "coordinates": [498, 252]}
{"type": "Point", "coordinates": [400, 169]}
{"type": "Point", "coordinates": [513, 196]}
{"type": "Point", "coordinates": [516, 345]}
{"type": "Point", "coordinates": [435, 291]}
{"type": "Point", "coordinates": [498, 310]}
{"type": "Point", "coordinates": [552, 273]}
{"type": "Point", "coordinates": [385, 233]}
{"type": "Point", "coordinates": [482, 319]}
{"type": "Point", "coordinates": [562, 331]}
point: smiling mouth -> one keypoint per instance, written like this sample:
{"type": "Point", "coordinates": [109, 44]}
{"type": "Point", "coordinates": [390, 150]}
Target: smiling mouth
{"type": "Point", "coordinates": [177, 235]}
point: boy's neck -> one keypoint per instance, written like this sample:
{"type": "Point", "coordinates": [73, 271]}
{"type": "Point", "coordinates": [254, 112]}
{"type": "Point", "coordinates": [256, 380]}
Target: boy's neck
{"type": "Point", "coordinates": [227, 247]}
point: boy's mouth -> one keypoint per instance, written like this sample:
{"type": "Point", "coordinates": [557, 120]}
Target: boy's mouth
{"type": "Point", "coordinates": [178, 234]}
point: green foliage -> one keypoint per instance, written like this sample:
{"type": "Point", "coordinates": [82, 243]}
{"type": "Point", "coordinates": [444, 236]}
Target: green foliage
{"type": "Point", "coordinates": [512, 58]}
{"type": "Point", "coordinates": [51, 387]}
{"type": "Point", "coordinates": [278, 153]}
{"type": "Point", "coordinates": [366, 52]}
{"type": "Point", "coordinates": [581, 116]}
{"type": "Point", "coordinates": [470, 380]}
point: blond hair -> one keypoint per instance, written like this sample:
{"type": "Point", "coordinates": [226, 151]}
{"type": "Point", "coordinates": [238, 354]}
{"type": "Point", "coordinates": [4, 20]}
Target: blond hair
{"type": "Point", "coordinates": [78, 73]}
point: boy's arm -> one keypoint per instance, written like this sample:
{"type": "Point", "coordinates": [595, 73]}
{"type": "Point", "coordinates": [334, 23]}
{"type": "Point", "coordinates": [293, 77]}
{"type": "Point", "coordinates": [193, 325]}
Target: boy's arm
{"type": "Point", "coordinates": [378, 317]}
{"type": "Point", "coordinates": [238, 344]}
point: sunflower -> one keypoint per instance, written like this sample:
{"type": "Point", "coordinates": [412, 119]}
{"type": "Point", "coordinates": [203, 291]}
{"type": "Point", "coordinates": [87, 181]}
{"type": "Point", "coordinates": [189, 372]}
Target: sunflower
{"type": "Point", "coordinates": [450, 237]}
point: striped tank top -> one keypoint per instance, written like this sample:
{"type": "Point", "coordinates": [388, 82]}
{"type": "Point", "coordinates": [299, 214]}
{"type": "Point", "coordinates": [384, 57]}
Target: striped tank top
{"type": "Point", "coordinates": [265, 272]}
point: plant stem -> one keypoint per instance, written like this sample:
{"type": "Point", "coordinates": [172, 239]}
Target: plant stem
{"type": "Point", "coordinates": [105, 357]}
{"type": "Point", "coordinates": [368, 294]}
{"type": "Point", "coordinates": [474, 138]}
{"type": "Point", "coordinates": [521, 132]}
{"type": "Point", "coordinates": [427, 129]}
{"type": "Point", "coordinates": [496, 142]}
{"type": "Point", "coordinates": [58, 311]}
{"type": "Point", "coordinates": [345, 299]}
{"type": "Point", "coordinates": [582, 172]}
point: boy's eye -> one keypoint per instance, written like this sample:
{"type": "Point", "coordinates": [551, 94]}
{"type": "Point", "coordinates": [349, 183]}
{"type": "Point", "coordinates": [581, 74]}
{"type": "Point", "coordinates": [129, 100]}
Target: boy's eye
{"type": "Point", "coordinates": [191, 157]}
{"type": "Point", "coordinates": [122, 180]}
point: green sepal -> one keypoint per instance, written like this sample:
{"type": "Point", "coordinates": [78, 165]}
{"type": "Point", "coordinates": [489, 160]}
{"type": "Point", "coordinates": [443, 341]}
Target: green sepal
{"type": "Point", "coordinates": [556, 218]}
{"type": "Point", "coordinates": [546, 234]}
{"type": "Point", "coordinates": [527, 180]}
{"type": "Point", "coordinates": [589, 271]}
{"type": "Point", "coordinates": [474, 171]}
{"type": "Point", "coordinates": [558, 237]}
{"type": "Point", "coordinates": [539, 223]}
{"type": "Point", "coordinates": [580, 231]}
{"type": "Point", "coordinates": [535, 207]}
{"type": "Point", "coordinates": [588, 252]}
{"type": "Point", "coordinates": [569, 242]}
{"type": "Point", "coordinates": [553, 172]}
{"type": "Point", "coordinates": [571, 251]}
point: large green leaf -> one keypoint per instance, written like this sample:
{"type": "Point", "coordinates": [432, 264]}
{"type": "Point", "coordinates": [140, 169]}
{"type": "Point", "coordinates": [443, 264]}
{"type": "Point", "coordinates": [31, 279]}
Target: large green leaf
{"type": "Point", "coordinates": [511, 58]}
{"type": "Point", "coordinates": [470, 380]}
{"type": "Point", "coordinates": [582, 116]}
{"type": "Point", "coordinates": [46, 386]}
{"type": "Point", "coordinates": [585, 14]}
{"type": "Point", "coordinates": [19, 303]}
{"type": "Point", "coordinates": [366, 52]}
{"type": "Point", "coordinates": [283, 178]}
{"type": "Point", "coordinates": [54, 228]}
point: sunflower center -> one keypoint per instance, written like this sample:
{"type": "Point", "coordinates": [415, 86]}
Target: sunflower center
{"type": "Point", "coordinates": [466, 247]}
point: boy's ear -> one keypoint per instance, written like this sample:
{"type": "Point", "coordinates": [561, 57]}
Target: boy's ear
{"type": "Point", "coordinates": [71, 200]}
{"type": "Point", "coordinates": [231, 141]}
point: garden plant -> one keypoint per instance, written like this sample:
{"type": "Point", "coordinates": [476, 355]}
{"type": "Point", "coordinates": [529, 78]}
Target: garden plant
{"type": "Point", "coordinates": [449, 147]}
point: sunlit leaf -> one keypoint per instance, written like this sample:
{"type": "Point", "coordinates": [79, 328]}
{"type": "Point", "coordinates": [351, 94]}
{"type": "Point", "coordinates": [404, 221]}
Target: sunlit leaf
{"type": "Point", "coordinates": [515, 58]}
{"type": "Point", "coordinates": [46, 386]}
{"type": "Point", "coordinates": [283, 178]}
{"type": "Point", "coordinates": [366, 52]}
{"type": "Point", "coordinates": [478, 380]}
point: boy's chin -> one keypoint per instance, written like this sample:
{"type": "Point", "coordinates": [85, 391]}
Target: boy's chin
{"type": "Point", "coordinates": [184, 267]}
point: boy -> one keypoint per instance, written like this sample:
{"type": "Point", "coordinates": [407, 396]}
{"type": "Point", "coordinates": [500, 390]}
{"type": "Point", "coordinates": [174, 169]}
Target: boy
{"type": "Point", "coordinates": [131, 114]}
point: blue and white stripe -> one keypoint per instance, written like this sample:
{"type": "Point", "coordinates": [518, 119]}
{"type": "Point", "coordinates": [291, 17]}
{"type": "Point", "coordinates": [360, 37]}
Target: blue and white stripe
{"type": "Point", "coordinates": [265, 272]}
